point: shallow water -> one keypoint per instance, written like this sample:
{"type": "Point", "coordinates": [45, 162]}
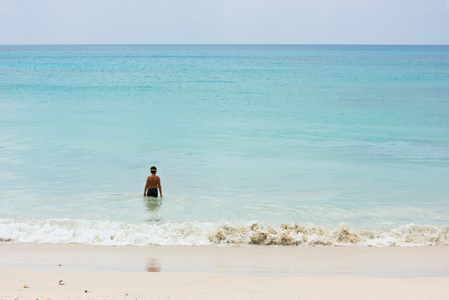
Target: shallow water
{"type": "Point", "coordinates": [240, 134]}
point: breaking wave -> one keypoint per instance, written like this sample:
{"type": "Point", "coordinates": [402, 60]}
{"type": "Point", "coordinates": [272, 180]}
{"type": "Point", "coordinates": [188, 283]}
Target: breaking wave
{"type": "Point", "coordinates": [63, 231]}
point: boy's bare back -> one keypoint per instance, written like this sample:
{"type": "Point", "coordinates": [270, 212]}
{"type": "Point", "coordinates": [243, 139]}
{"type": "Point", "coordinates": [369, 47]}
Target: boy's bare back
{"type": "Point", "coordinates": [153, 181]}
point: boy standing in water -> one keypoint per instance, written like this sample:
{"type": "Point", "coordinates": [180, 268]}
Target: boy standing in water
{"type": "Point", "coordinates": [153, 183]}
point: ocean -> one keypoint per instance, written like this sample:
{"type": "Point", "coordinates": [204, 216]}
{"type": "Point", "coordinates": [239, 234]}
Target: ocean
{"type": "Point", "coordinates": [303, 145]}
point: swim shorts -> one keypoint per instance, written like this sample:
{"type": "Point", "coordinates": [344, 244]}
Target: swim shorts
{"type": "Point", "coordinates": [152, 192]}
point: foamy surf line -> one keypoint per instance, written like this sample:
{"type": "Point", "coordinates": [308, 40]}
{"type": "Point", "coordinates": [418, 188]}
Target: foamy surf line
{"type": "Point", "coordinates": [107, 233]}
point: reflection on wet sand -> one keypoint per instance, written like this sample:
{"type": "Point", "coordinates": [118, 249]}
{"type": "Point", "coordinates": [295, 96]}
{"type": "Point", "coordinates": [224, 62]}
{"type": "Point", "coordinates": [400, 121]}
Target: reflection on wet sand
{"type": "Point", "coordinates": [153, 265]}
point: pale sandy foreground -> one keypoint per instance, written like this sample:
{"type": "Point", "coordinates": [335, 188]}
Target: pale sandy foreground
{"type": "Point", "coordinates": [134, 285]}
{"type": "Point", "coordinates": [37, 271]}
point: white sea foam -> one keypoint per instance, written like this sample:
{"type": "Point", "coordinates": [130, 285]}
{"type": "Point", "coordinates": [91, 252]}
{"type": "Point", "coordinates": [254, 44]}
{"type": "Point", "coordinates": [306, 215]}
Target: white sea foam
{"type": "Point", "coordinates": [62, 231]}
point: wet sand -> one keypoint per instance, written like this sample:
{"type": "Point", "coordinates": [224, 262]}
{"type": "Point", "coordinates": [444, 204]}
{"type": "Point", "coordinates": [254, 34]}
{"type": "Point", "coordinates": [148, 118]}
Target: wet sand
{"type": "Point", "coordinates": [177, 272]}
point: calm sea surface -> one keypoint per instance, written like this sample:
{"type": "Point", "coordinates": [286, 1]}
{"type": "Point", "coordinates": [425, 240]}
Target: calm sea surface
{"type": "Point", "coordinates": [346, 144]}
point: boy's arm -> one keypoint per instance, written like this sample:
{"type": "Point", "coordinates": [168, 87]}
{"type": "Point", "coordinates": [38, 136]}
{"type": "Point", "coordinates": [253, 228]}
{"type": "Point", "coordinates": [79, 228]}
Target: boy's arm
{"type": "Point", "coordinates": [160, 187]}
{"type": "Point", "coordinates": [145, 189]}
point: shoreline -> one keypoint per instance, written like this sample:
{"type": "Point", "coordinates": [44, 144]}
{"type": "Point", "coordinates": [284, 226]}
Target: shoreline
{"type": "Point", "coordinates": [76, 271]}
{"type": "Point", "coordinates": [237, 260]}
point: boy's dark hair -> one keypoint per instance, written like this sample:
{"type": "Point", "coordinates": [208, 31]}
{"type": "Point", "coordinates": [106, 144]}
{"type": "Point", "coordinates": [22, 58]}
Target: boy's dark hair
{"type": "Point", "coordinates": [153, 170]}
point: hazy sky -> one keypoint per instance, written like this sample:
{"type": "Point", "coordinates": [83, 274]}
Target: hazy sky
{"type": "Point", "coordinates": [224, 21]}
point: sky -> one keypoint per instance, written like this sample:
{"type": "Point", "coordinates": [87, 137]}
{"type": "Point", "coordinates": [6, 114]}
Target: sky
{"type": "Point", "coordinates": [224, 22]}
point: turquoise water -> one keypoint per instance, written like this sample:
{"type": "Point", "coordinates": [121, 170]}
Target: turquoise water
{"type": "Point", "coordinates": [309, 135]}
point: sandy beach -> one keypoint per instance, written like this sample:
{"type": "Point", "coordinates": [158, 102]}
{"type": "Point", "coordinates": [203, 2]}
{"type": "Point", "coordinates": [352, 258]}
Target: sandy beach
{"type": "Point", "coordinates": [135, 285]}
{"type": "Point", "coordinates": [44, 271]}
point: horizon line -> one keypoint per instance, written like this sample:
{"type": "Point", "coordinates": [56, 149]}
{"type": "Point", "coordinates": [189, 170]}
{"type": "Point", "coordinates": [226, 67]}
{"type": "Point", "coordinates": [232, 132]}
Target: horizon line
{"type": "Point", "coordinates": [216, 44]}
